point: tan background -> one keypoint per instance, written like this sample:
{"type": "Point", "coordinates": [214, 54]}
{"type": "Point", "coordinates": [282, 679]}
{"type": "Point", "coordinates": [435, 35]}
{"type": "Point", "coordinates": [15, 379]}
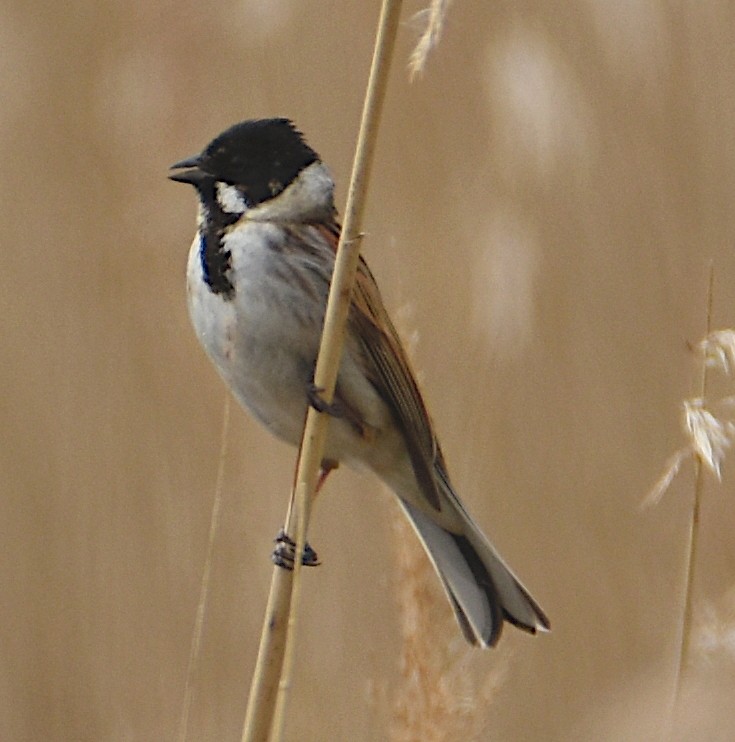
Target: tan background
{"type": "Point", "coordinates": [544, 204]}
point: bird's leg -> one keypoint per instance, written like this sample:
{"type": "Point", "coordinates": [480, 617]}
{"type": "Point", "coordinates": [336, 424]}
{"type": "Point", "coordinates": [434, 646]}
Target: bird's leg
{"type": "Point", "coordinates": [328, 466]}
{"type": "Point", "coordinates": [285, 551]}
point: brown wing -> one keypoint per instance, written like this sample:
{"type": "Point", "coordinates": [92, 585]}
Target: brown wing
{"type": "Point", "coordinates": [390, 373]}
{"type": "Point", "coordinates": [393, 378]}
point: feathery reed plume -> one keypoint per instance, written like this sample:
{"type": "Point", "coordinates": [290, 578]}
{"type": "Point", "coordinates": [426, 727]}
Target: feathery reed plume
{"type": "Point", "coordinates": [707, 426]}
{"type": "Point", "coordinates": [438, 698]}
{"type": "Point", "coordinates": [436, 14]}
{"type": "Point", "coordinates": [719, 350]}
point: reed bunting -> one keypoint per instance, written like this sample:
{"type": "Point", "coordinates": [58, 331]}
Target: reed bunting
{"type": "Point", "coordinates": [258, 275]}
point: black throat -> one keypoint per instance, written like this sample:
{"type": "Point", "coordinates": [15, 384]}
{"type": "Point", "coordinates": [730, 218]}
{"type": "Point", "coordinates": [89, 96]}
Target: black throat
{"type": "Point", "coordinates": [214, 257]}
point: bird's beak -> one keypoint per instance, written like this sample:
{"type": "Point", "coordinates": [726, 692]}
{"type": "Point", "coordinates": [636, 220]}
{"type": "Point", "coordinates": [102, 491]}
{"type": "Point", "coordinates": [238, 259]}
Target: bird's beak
{"type": "Point", "coordinates": [193, 174]}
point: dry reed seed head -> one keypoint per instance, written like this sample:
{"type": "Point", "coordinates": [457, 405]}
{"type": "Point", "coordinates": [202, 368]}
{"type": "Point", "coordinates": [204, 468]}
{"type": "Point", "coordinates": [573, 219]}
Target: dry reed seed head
{"type": "Point", "coordinates": [719, 350]}
{"type": "Point", "coordinates": [436, 14]}
{"type": "Point", "coordinates": [673, 465]}
{"type": "Point", "coordinates": [709, 437]}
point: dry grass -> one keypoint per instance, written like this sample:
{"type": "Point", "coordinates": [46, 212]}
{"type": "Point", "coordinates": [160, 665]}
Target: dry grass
{"type": "Point", "coordinates": [709, 436]}
{"type": "Point", "coordinates": [198, 630]}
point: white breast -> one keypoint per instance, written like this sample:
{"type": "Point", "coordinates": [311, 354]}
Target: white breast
{"type": "Point", "coordinates": [264, 340]}
{"type": "Point", "coordinates": [260, 345]}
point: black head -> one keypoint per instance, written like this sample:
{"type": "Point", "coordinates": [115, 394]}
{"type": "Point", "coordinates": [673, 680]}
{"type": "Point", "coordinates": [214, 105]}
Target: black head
{"type": "Point", "coordinates": [261, 157]}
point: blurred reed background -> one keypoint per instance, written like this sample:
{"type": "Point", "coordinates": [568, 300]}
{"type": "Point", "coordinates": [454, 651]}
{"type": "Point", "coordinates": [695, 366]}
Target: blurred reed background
{"type": "Point", "coordinates": [544, 204]}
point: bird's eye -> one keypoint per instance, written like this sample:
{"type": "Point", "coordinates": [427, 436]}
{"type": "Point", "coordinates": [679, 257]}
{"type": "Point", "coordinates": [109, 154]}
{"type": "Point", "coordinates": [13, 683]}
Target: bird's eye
{"type": "Point", "coordinates": [275, 187]}
{"type": "Point", "coordinates": [230, 199]}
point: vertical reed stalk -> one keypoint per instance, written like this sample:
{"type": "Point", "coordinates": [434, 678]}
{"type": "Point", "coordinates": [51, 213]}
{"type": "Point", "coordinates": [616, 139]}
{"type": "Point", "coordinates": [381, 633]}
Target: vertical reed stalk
{"type": "Point", "coordinates": [266, 712]}
{"type": "Point", "coordinates": [686, 631]}
{"type": "Point", "coordinates": [196, 639]}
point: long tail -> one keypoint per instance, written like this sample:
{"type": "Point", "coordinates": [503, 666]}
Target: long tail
{"type": "Point", "coordinates": [482, 589]}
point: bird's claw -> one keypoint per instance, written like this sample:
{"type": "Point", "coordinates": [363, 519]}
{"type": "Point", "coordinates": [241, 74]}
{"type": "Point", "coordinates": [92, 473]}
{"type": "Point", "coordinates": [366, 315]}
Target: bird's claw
{"type": "Point", "coordinates": [314, 396]}
{"type": "Point", "coordinates": [284, 554]}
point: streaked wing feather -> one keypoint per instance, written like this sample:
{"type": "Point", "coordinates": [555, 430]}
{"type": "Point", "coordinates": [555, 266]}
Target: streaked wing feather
{"type": "Point", "coordinates": [394, 380]}
{"type": "Point", "coordinates": [391, 375]}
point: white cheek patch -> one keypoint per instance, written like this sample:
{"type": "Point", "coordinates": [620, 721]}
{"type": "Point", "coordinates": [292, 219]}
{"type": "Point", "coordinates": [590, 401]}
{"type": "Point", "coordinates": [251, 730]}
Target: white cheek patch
{"type": "Point", "coordinates": [230, 199]}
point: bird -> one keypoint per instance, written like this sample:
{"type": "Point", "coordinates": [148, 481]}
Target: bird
{"type": "Point", "coordinates": [258, 276]}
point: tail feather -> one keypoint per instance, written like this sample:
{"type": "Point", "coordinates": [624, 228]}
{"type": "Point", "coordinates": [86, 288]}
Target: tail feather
{"type": "Point", "coordinates": [519, 608]}
{"type": "Point", "coordinates": [482, 589]}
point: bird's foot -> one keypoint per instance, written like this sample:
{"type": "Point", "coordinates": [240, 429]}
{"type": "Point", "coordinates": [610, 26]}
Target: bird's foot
{"type": "Point", "coordinates": [314, 396]}
{"type": "Point", "coordinates": [284, 554]}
